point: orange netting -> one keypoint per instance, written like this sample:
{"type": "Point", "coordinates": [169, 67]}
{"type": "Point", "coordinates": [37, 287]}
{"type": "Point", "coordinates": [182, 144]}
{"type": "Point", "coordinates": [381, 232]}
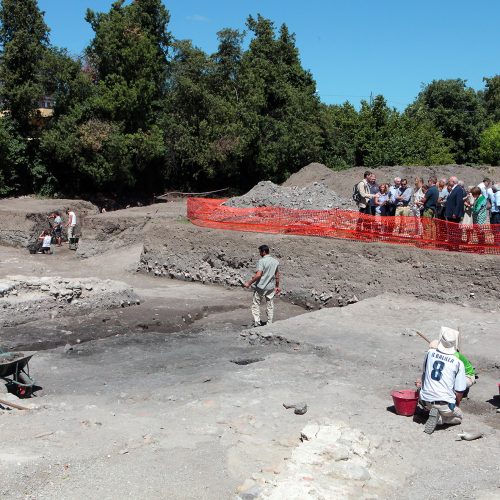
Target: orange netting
{"type": "Point", "coordinates": [420, 232]}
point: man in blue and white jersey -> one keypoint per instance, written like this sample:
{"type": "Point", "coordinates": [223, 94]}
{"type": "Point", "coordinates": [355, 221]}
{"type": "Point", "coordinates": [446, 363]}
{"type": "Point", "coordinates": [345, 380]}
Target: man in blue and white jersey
{"type": "Point", "coordinates": [443, 382]}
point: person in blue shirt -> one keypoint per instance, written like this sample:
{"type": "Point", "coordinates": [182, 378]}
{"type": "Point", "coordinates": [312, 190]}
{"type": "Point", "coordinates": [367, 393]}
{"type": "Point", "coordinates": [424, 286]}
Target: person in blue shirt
{"type": "Point", "coordinates": [495, 204]}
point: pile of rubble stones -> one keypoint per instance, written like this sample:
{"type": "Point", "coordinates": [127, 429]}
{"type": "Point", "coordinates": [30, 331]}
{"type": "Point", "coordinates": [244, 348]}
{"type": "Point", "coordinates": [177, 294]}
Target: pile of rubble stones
{"type": "Point", "coordinates": [315, 196]}
{"type": "Point", "coordinates": [24, 299]}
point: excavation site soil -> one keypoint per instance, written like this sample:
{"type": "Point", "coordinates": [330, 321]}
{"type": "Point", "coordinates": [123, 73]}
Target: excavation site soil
{"type": "Point", "coordinates": [151, 383]}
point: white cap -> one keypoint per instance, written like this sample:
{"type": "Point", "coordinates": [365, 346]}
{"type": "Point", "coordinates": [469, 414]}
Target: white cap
{"type": "Point", "coordinates": [448, 340]}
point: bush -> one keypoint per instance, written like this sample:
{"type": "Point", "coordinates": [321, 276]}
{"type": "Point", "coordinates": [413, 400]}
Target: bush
{"type": "Point", "coordinates": [490, 145]}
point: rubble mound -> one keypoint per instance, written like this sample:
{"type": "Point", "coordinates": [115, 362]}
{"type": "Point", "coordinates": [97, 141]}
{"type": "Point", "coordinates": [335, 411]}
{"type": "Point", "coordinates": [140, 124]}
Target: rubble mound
{"type": "Point", "coordinates": [24, 299]}
{"type": "Point", "coordinates": [332, 461]}
{"type": "Point", "coordinates": [314, 172]}
{"type": "Point", "coordinates": [314, 196]}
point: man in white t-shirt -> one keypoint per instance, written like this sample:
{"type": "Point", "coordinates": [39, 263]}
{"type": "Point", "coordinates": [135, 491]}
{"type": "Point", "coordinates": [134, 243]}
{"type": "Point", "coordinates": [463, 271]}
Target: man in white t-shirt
{"type": "Point", "coordinates": [71, 224]}
{"type": "Point", "coordinates": [484, 186]}
{"type": "Point", "coordinates": [443, 382]}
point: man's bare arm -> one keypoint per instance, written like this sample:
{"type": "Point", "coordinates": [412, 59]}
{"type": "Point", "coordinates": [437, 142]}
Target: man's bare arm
{"type": "Point", "coordinates": [255, 277]}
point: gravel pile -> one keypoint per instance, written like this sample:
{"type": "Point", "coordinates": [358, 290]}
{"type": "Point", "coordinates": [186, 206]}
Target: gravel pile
{"type": "Point", "coordinates": [315, 196]}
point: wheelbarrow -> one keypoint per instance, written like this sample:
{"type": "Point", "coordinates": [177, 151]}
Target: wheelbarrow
{"type": "Point", "coordinates": [14, 369]}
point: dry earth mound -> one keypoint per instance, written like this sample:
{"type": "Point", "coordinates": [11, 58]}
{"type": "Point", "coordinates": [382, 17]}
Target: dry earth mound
{"type": "Point", "coordinates": [319, 272]}
{"type": "Point", "coordinates": [314, 172]}
{"type": "Point", "coordinates": [314, 196]}
{"type": "Point", "coordinates": [111, 231]}
{"type": "Point", "coordinates": [23, 219]}
{"type": "Point", "coordinates": [342, 181]}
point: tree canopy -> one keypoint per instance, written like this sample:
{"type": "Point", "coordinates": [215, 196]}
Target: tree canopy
{"type": "Point", "coordinates": [141, 111]}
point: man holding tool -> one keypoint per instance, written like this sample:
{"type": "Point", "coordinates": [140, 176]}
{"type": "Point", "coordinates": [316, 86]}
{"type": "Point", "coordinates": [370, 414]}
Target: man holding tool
{"type": "Point", "coordinates": [443, 382]}
{"type": "Point", "coordinates": [470, 372]}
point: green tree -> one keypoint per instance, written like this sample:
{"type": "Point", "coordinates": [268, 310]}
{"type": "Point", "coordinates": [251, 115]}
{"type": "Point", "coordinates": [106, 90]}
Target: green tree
{"type": "Point", "coordinates": [492, 97]}
{"type": "Point", "coordinates": [339, 126]}
{"type": "Point", "coordinates": [457, 111]}
{"type": "Point", "coordinates": [380, 135]}
{"type": "Point", "coordinates": [64, 79]}
{"type": "Point", "coordinates": [129, 55]}
{"type": "Point", "coordinates": [281, 111]}
{"type": "Point", "coordinates": [24, 41]}
{"type": "Point", "coordinates": [24, 38]}
{"type": "Point", "coordinates": [13, 157]}
{"type": "Point", "coordinates": [490, 144]}
{"type": "Point", "coordinates": [108, 137]}
{"type": "Point", "coordinates": [186, 116]}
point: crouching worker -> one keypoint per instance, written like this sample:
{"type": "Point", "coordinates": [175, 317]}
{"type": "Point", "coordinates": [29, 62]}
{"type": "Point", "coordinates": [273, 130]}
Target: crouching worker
{"type": "Point", "coordinates": [470, 371]}
{"type": "Point", "coordinates": [46, 239]}
{"type": "Point", "coordinates": [443, 382]}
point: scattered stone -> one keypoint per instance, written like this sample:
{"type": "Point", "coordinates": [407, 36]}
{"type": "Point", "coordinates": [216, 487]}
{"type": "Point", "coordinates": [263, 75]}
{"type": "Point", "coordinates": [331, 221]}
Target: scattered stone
{"type": "Point", "coordinates": [299, 408]}
{"type": "Point", "coordinates": [251, 493]}
{"type": "Point", "coordinates": [470, 436]}
{"type": "Point", "coordinates": [44, 434]}
{"type": "Point", "coordinates": [353, 300]}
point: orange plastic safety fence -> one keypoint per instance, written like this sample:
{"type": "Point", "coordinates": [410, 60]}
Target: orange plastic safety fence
{"type": "Point", "coordinates": [420, 232]}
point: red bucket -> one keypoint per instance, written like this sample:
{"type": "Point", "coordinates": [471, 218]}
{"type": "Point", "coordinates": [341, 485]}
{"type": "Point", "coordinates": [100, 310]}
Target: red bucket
{"type": "Point", "coordinates": [405, 401]}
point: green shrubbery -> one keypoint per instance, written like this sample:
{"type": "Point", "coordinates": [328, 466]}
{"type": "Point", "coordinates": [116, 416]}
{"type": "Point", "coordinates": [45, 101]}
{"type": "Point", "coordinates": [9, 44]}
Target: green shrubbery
{"type": "Point", "coordinates": [141, 111]}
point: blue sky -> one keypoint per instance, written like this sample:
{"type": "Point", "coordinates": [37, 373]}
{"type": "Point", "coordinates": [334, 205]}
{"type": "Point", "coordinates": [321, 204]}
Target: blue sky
{"type": "Point", "coordinates": [352, 47]}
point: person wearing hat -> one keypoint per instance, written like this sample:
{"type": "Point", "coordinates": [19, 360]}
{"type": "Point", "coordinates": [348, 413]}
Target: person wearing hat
{"type": "Point", "coordinates": [443, 382]}
{"type": "Point", "coordinates": [470, 371]}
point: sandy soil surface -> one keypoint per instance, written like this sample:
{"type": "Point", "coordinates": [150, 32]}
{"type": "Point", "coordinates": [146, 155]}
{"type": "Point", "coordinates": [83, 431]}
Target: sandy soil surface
{"type": "Point", "coordinates": [177, 398]}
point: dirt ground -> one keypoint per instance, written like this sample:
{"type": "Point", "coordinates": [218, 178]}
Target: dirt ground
{"type": "Point", "coordinates": [176, 398]}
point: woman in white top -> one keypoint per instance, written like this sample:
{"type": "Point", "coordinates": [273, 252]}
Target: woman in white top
{"type": "Point", "coordinates": [46, 238]}
{"type": "Point", "coordinates": [382, 201]}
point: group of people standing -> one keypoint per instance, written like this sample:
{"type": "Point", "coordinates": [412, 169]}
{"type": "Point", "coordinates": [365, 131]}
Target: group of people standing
{"type": "Point", "coordinates": [446, 199]}
{"type": "Point", "coordinates": [55, 232]}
